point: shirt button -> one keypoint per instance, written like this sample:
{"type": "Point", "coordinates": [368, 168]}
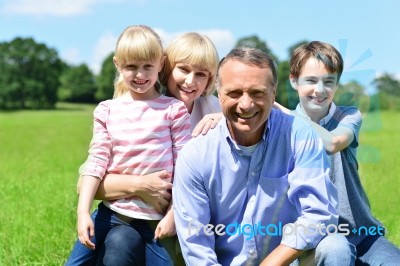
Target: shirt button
{"type": "Point", "coordinates": [251, 251]}
{"type": "Point", "coordinates": [253, 174]}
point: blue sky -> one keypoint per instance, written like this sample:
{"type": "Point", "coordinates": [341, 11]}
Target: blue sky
{"type": "Point", "coordinates": [85, 31]}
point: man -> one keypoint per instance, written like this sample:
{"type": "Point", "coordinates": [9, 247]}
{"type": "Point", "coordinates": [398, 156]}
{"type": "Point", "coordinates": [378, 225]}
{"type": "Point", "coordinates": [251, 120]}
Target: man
{"type": "Point", "coordinates": [256, 188]}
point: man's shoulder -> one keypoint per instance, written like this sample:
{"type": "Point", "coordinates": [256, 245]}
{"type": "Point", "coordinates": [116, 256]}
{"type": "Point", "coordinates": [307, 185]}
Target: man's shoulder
{"type": "Point", "coordinates": [210, 140]}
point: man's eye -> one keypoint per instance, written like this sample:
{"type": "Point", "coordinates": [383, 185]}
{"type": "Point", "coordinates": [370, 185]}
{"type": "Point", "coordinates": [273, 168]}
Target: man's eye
{"type": "Point", "coordinates": [234, 94]}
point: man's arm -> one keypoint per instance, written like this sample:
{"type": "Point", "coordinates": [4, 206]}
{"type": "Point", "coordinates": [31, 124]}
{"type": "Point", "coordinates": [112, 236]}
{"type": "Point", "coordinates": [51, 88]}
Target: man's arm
{"type": "Point", "coordinates": [310, 190]}
{"type": "Point", "coordinates": [192, 210]}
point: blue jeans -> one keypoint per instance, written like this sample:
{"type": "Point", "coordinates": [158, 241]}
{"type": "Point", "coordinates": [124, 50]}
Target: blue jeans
{"type": "Point", "coordinates": [377, 250]}
{"type": "Point", "coordinates": [332, 250]}
{"type": "Point", "coordinates": [121, 243]}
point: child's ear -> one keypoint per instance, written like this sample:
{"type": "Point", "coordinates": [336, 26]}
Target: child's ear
{"type": "Point", "coordinates": [116, 64]}
{"type": "Point", "coordinates": [293, 82]}
{"type": "Point", "coordinates": [162, 63]}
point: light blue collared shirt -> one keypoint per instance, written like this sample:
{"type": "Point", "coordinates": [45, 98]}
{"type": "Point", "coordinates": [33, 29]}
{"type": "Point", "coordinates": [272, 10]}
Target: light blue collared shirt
{"type": "Point", "coordinates": [219, 188]}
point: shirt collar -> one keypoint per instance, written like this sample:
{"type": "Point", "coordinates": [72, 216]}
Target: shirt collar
{"type": "Point", "coordinates": [229, 138]}
{"type": "Point", "coordinates": [325, 119]}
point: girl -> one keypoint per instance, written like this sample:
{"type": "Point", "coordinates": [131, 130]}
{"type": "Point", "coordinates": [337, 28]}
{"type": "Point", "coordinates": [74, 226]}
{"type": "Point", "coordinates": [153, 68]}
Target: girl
{"type": "Point", "coordinates": [138, 132]}
{"type": "Point", "coordinates": [188, 75]}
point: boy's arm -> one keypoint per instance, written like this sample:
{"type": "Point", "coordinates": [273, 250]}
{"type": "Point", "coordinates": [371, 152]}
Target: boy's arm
{"type": "Point", "coordinates": [334, 141]}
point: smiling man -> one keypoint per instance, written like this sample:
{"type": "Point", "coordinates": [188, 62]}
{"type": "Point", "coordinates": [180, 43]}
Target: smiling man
{"type": "Point", "coordinates": [257, 169]}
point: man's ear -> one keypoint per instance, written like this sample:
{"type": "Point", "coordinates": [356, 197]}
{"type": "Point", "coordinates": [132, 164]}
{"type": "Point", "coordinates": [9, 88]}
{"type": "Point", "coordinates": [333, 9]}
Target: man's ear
{"type": "Point", "coordinates": [293, 82]}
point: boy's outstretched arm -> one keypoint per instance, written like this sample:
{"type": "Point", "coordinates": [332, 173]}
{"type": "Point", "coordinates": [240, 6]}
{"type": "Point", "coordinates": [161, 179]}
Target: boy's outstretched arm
{"type": "Point", "coordinates": [334, 141]}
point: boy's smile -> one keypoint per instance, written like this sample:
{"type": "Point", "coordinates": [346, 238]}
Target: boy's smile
{"type": "Point", "coordinates": [316, 88]}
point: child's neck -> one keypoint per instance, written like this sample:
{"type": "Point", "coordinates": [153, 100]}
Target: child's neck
{"type": "Point", "coordinates": [147, 96]}
{"type": "Point", "coordinates": [315, 116]}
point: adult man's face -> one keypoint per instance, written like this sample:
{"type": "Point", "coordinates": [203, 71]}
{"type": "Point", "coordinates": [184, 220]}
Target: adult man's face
{"type": "Point", "coordinates": [246, 96]}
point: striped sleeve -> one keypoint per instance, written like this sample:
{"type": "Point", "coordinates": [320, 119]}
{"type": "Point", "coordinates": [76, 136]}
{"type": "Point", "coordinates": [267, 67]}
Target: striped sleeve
{"type": "Point", "coordinates": [100, 145]}
{"type": "Point", "coordinates": [180, 126]}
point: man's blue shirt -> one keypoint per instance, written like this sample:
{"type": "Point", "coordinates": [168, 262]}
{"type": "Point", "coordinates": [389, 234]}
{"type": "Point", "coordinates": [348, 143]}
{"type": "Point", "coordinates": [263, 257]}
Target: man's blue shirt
{"type": "Point", "coordinates": [219, 189]}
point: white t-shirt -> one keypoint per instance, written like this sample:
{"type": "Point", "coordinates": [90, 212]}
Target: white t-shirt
{"type": "Point", "coordinates": [202, 106]}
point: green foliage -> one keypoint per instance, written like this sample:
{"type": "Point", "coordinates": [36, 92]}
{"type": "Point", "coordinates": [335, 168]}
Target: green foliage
{"type": "Point", "coordinates": [285, 94]}
{"type": "Point", "coordinates": [388, 84]}
{"type": "Point", "coordinates": [29, 74]}
{"type": "Point", "coordinates": [105, 80]}
{"type": "Point", "coordinates": [254, 42]}
{"type": "Point", "coordinates": [353, 94]}
{"type": "Point", "coordinates": [77, 85]}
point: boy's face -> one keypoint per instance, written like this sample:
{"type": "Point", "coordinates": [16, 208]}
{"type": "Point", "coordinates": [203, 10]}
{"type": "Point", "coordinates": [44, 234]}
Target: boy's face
{"type": "Point", "coordinates": [316, 88]}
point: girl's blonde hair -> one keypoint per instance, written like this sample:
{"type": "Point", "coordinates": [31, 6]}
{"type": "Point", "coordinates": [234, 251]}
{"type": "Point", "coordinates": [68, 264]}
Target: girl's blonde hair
{"type": "Point", "coordinates": [195, 49]}
{"type": "Point", "coordinates": [138, 43]}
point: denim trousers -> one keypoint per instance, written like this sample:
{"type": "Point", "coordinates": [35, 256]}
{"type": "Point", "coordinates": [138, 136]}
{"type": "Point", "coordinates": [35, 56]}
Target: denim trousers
{"type": "Point", "coordinates": [335, 249]}
{"type": "Point", "coordinates": [121, 243]}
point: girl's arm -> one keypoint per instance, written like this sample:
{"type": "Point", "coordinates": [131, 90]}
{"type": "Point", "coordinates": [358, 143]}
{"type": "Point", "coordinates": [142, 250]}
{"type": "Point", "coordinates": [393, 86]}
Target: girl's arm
{"type": "Point", "coordinates": [85, 224]}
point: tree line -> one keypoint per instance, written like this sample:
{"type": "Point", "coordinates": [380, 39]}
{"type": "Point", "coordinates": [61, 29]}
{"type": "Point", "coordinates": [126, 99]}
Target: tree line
{"type": "Point", "coordinates": [34, 77]}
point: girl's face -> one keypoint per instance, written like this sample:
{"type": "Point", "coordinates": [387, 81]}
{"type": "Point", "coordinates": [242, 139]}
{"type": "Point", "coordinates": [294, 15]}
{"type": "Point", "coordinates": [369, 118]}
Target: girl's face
{"type": "Point", "coordinates": [187, 82]}
{"type": "Point", "coordinates": [140, 77]}
{"type": "Point", "coordinates": [316, 88]}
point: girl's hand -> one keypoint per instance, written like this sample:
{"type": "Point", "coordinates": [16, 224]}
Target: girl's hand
{"type": "Point", "coordinates": [85, 230]}
{"type": "Point", "coordinates": [209, 121]}
{"type": "Point", "coordinates": [166, 227]}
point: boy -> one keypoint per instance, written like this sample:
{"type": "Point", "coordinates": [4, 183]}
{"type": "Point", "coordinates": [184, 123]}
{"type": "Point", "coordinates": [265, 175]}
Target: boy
{"type": "Point", "coordinates": [315, 70]}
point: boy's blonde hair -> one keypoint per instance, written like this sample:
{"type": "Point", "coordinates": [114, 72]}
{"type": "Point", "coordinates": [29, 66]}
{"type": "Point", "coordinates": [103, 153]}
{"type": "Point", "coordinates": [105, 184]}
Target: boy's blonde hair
{"type": "Point", "coordinates": [137, 43]}
{"type": "Point", "coordinates": [323, 52]}
{"type": "Point", "coordinates": [195, 49]}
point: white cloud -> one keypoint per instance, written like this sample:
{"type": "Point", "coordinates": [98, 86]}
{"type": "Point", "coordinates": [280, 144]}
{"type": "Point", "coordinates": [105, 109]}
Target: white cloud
{"type": "Point", "coordinates": [104, 46]}
{"type": "Point", "coordinates": [50, 7]}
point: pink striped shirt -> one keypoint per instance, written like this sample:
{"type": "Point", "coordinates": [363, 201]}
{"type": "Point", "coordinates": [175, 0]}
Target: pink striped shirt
{"type": "Point", "coordinates": [136, 137]}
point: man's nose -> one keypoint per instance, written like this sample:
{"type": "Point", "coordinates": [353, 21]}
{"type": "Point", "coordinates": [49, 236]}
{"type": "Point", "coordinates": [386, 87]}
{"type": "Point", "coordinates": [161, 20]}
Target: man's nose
{"type": "Point", "coordinates": [245, 101]}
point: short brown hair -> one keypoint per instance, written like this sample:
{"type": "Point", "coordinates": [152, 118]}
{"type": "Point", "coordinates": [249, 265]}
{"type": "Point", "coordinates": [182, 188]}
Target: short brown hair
{"type": "Point", "coordinates": [323, 52]}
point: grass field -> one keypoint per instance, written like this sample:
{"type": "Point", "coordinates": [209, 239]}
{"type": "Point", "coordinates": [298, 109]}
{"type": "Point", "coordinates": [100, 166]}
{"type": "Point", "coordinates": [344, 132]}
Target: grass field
{"type": "Point", "coordinates": [42, 150]}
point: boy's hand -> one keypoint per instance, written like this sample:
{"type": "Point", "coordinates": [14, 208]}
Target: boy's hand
{"type": "Point", "coordinates": [85, 230]}
{"type": "Point", "coordinates": [166, 227]}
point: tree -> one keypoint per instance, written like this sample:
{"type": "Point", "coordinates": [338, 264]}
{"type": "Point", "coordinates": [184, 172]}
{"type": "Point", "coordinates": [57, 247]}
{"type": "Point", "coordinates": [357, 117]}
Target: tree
{"type": "Point", "coordinates": [285, 94]}
{"type": "Point", "coordinates": [29, 74]}
{"type": "Point", "coordinates": [105, 80]}
{"type": "Point", "coordinates": [388, 84]}
{"type": "Point", "coordinates": [77, 85]}
{"type": "Point", "coordinates": [255, 42]}
{"type": "Point", "coordinates": [353, 93]}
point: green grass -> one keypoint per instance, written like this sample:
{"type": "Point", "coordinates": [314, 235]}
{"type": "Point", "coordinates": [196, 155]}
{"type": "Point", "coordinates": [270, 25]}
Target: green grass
{"type": "Point", "coordinates": [41, 152]}
{"type": "Point", "coordinates": [380, 169]}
